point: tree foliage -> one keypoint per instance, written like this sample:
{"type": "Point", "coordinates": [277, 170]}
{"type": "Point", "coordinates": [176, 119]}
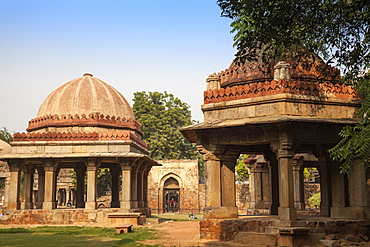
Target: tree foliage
{"type": "Point", "coordinates": [161, 114]}
{"type": "Point", "coordinates": [338, 31]}
{"type": "Point", "coordinates": [242, 173]}
{"type": "Point", "coordinates": [5, 135]}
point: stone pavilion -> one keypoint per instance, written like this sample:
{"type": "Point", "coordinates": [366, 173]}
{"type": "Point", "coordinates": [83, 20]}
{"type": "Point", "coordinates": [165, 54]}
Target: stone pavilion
{"type": "Point", "coordinates": [286, 114]}
{"type": "Point", "coordinates": [83, 125]}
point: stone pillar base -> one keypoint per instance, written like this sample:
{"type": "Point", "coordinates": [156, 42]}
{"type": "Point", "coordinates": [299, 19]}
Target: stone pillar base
{"type": "Point", "coordinates": [90, 205]}
{"type": "Point", "coordinates": [28, 205]}
{"type": "Point", "coordinates": [360, 213]}
{"type": "Point", "coordinates": [220, 212]}
{"type": "Point", "coordinates": [115, 204]}
{"type": "Point", "coordinates": [287, 214]}
{"type": "Point", "coordinates": [14, 205]}
{"type": "Point", "coordinates": [48, 205]}
{"type": "Point", "coordinates": [259, 205]}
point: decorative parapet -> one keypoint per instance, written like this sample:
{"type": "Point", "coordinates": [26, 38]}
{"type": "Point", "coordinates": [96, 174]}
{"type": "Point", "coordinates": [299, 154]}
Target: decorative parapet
{"type": "Point", "coordinates": [95, 120]}
{"type": "Point", "coordinates": [78, 136]}
{"type": "Point", "coordinates": [251, 90]}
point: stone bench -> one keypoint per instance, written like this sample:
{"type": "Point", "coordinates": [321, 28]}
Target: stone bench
{"type": "Point", "coordinates": [124, 228]}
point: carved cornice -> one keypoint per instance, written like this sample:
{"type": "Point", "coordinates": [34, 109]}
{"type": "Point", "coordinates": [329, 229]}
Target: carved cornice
{"type": "Point", "coordinates": [251, 90]}
{"type": "Point", "coordinates": [91, 120]}
{"type": "Point", "coordinates": [78, 136]}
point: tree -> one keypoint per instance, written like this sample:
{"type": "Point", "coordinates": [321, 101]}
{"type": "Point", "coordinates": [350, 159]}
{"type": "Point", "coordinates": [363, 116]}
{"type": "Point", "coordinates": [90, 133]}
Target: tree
{"type": "Point", "coordinates": [5, 135]}
{"type": "Point", "coordinates": [338, 31]}
{"type": "Point", "coordinates": [161, 114]}
{"type": "Point", "coordinates": [241, 172]}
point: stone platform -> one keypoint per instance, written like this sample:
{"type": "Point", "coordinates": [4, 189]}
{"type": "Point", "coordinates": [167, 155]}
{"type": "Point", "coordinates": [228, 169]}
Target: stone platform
{"type": "Point", "coordinates": [98, 217]}
{"type": "Point", "coordinates": [269, 231]}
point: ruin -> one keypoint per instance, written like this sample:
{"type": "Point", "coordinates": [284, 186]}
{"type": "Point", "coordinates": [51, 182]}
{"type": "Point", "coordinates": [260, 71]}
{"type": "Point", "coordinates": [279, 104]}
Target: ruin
{"type": "Point", "coordinates": [290, 114]}
{"type": "Point", "coordinates": [83, 125]}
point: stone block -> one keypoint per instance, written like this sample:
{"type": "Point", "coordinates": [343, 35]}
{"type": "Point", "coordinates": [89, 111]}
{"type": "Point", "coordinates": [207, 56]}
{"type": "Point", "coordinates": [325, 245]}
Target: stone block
{"type": "Point", "coordinates": [256, 238]}
{"type": "Point", "coordinates": [220, 212]}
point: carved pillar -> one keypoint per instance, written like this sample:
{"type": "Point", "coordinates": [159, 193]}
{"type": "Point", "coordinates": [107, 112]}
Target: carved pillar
{"type": "Point", "coordinates": [145, 185]}
{"type": "Point", "coordinates": [339, 192]}
{"type": "Point", "coordinates": [285, 154]}
{"type": "Point", "coordinates": [40, 186]}
{"type": "Point", "coordinates": [140, 187]}
{"type": "Point", "coordinates": [228, 196]}
{"type": "Point", "coordinates": [28, 186]}
{"type": "Point", "coordinates": [126, 186]}
{"type": "Point", "coordinates": [91, 170]}
{"type": "Point", "coordinates": [259, 184]}
{"type": "Point", "coordinates": [298, 182]}
{"type": "Point", "coordinates": [49, 192]}
{"type": "Point", "coordinates": [274, 181]}
{"type": "Point", "coordinates": [220, 182]}
{"type": "Point", "coordinates": [114, 171]}
{"type": "Point", "coordinates": [325, 179]}
{"type": "Point", "coordinates": [80, 170]}
{"type": "Point", "coordinates": [357, 192]}
{"type": "Point", "coordinates": [134, 183]}
{"type": "Point", "coordinates": [13, 195]}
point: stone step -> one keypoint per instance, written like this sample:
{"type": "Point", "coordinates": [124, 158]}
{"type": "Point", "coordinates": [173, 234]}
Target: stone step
{"type": "Point", "coordinates": [231, 244]}
{"type": "Point", "coordinates": [264, 239]}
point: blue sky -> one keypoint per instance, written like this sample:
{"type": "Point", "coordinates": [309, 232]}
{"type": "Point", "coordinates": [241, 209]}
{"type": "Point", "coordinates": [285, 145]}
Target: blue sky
{"type": "Point", "coordinates": [133, 45]}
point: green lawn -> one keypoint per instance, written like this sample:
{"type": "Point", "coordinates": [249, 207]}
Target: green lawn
{"type": "Point", "coordinates": [73, 236]}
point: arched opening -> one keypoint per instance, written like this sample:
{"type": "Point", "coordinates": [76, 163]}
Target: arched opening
{"type": "Point", "coordinates": [171, 196]}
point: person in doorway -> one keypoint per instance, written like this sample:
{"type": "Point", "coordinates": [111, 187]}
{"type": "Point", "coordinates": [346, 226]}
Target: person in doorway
{"type": "Point", "coordinates": [172, 205]}
{"type": "Point", "coordinates": [69, 204]}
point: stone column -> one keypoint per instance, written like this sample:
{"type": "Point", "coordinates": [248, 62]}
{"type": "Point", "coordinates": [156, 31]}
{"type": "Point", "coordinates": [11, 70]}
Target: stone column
{"type": "Point", "coordinates": [339, 192]}
{"type": "Point", "coordinates": [259, 184]}
{"type": "Point", "coordinates": [298, 182]}
{"type": "Point", "coordinates": [80, 170]}
{"type": "Point", "coordinates": [145, 186]}
{"type": "Point", "coordinates": [274, 181]}
{"type": "Point", "coordinates": [213, 183]}
{"type": "Point", "coordinates": [220, 182]}
{"type": "Point", "coordinates": [134, 184]}
{"type": "Point", "coordinates": [285, 154]}
{"type": "Point", "coordinates": [140, 187]}
{"type": "Point", "coordinates": [40, 187]}
{"type": "Point", "coordinates": [13, 195]}
{"type": "Point", "coordinates": [28, 186]}
{"type": "Point", "coordinates": [357, 192]}
{"type": "Point", "coordinates": [91, 170]}
{"type": "Point", "coordinates": [126, 186]}
{"type": "Point", "coordinates": [49, 192]}
{"type": "Point", "coordinates": [114, 171]}
{"type": "Point", "coordinates": [228, 196]}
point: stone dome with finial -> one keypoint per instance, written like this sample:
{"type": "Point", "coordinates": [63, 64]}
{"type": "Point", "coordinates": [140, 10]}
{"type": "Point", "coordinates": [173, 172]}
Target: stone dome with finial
{"type": "Point", "coordinates": [84, 108]}
{"type": "Point", "coordinates": [86, 95]}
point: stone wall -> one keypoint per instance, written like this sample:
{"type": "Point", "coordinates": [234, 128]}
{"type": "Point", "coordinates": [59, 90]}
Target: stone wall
{"type": "Point", "coordinates": [58, 217]}
{"type": "Point", "coordinates": [185, 172]}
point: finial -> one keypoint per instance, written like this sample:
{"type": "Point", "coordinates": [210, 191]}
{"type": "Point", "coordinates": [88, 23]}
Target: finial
{"type": "Point", "coordinates": [88, 74]}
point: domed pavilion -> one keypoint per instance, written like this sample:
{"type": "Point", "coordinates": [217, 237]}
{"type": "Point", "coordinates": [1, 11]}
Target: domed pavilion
{"type": "Point", "coordinates": [83, 125]}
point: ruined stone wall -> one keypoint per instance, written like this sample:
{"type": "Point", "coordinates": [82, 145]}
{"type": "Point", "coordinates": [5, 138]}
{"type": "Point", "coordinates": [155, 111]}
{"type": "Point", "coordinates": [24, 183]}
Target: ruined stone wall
{"type": "Point", "coordinates": [186, 173]}
{"type": "Point", "coordinates": [242, 197]}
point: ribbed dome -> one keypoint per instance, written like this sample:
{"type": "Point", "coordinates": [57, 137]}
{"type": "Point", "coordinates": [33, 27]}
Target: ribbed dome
{"type": "Point", "coordinates": [86, 95]}
{"type": "Point", "coordinates": [5, 148]}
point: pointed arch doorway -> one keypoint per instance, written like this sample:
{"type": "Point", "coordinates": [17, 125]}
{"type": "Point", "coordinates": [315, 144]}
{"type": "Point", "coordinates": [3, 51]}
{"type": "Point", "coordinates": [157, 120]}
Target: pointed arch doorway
{"type": "Point", "coordinates": [171, 195]}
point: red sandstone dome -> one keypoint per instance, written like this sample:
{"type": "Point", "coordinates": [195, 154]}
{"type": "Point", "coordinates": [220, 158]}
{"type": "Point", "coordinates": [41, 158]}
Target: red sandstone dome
{"type": "Point", "coordinates": [85, 101]}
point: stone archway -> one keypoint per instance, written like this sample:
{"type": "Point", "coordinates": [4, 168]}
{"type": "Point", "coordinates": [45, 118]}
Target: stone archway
{"type": "Point", "coordinates": [171, 190]}
{"type": "Point", "coordinates": [171, 195]}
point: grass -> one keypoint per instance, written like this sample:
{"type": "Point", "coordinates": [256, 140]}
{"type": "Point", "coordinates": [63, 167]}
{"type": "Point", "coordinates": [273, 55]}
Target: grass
{"type": "Point", "coordinates": [73, 236]}
{"type": "Point", "coordinates": [176, 217]}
